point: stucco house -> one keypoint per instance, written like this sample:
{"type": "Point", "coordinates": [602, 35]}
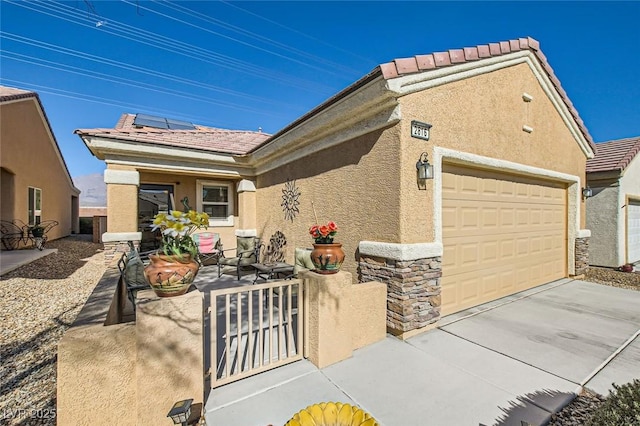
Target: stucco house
{"type": "Point", "coordinates": [613, 210]}
{"type": "Point", "coordinates": [34, 188]}
{"type": "Point", "coordinates": [502, 212]}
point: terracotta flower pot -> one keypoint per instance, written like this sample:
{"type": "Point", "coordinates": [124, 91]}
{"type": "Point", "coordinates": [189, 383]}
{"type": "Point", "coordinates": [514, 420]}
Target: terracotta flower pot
{"type": "Point", "coordinates": [327, 258]}
{"type": "Point", "coordinates": [171, 275]}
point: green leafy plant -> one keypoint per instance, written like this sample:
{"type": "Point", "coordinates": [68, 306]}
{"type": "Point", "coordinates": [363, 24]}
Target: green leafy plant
{"type": "Point", "coordinates": [622, 407]}
{"type": "Point", "coordinates": [177, 228]}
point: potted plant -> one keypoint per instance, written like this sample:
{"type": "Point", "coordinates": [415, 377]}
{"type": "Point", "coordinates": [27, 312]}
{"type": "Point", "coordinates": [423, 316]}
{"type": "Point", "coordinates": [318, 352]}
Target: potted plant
{"type": "Point", "coordinates": [174, 267]}
{"type": "Point", "coordinates": [327, 256]}
{"type": "Point", "coordinates": [36, 230]}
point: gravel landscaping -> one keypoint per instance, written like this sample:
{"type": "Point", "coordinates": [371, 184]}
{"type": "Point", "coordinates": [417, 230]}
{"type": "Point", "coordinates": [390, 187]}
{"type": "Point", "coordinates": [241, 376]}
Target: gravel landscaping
{"type": "Point", "coordinates": [38, 302]}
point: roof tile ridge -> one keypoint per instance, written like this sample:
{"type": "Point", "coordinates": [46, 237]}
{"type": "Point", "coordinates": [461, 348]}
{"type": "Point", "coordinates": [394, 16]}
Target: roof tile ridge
{"type": "Point", "coordinates": [400, 66]}
{"type": "Point", "coordinates": [631, 153]}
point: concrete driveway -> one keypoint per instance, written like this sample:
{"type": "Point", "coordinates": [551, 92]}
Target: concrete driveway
{"type": "Point", "coordinates": [519, 358]}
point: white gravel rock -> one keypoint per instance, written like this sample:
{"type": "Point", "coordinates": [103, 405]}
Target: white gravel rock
{"type": "Point", "coordinates": [38, 302]}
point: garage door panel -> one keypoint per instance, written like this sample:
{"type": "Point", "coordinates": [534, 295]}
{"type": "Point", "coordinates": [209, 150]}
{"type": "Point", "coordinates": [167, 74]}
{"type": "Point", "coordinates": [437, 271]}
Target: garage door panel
{"type": "Point", "coordinates": [501, 235]}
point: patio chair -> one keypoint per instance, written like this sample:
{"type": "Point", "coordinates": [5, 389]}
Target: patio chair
{"type": "Point", "coordinates": [247, 249]}
{"type": "Point", "coordinates": [209, 247]}
{"type": "Point", "coordinates": [302, 261]}
{"type": "Point", "coordinates": [131, 266]}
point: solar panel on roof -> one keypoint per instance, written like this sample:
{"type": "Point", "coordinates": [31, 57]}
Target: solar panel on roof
{"type": "Point", "coordinates": [162, 123]}
{"type": "Point", "coordinates": [150, 121]}
{"type": "Point", "coordinates": [180, 125]}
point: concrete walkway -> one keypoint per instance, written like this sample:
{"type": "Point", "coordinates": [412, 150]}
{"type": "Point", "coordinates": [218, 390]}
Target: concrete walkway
{"type": "Point", "coordinates": [13, 259]}
{"type": "Point", "coordinates": [519, 358]}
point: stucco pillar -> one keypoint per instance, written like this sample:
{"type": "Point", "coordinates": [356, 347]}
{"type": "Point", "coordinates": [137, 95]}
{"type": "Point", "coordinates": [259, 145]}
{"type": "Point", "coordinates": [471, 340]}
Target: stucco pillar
{"type": "Point", "coordinates": [246, 208]}
{"type": "Point", "coordinates": [122, 211]}
{"type": "Point", "coordinates": [329, 331]}
{"type": "Point", "coordinates": [341, 316]}
{"type": "Point", "coordinates": [170, 360]}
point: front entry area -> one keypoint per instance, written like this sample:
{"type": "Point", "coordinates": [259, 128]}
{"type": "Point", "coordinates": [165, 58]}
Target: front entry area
{"type": "Point", "coordinates": [501, 234]}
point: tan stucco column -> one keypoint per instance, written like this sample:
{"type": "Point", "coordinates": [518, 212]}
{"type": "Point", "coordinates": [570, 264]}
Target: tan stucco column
{"type": "Point", "coordinates": [170, 359]}
{"type": "Point", "coordinates": [341, 316]}
{"type": "Point", "coordinates": [246, 208]}
{"type": "Point", "coordinates": [122, 205]}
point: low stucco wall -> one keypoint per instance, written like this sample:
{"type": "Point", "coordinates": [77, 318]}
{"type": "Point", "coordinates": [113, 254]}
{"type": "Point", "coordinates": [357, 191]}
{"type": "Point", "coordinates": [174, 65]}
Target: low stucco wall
{"type": "Point", "coordinates": [170, 363]}
{"type": "Point", "coordinates": [131, 373]}
{"type": "Point", "coordinates": [96, 363]}
{"type": "Point", "coordinates": [96, 375]}
{"type": "Point", "coordinates": [342, 316]}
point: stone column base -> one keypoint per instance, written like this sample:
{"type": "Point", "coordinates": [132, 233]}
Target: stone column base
{"type": "Point", "coordinates": [413, 290]}
{"type": "Point", "coordinates": [582, 255]}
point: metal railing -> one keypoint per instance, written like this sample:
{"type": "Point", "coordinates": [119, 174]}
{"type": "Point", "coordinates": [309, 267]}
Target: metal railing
{"type": "Point", "coordinates": [255, 328]}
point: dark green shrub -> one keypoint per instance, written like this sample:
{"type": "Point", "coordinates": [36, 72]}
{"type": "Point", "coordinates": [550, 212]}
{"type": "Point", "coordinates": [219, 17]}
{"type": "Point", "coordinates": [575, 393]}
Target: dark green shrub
{"type": "Point", "coordinates": [622, 407]}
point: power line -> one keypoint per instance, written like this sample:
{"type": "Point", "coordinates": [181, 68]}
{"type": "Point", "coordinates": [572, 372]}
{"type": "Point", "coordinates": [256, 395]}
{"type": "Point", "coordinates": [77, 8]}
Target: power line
{"type": "Point", "coordinates": [233, 28]}
{"type": "Point", "coordinates": [184, 49]}
{"type": "Point", "coordinates": [122, 65]}
{"type": "Point", "coordinates": [110, 102]}
{"type": "Point", "coordinates": [227, 3]}
{"type": "Point", "coordinates": [133, 83]}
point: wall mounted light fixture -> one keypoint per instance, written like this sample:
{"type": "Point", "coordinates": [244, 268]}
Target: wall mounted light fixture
{"type": "Point", "coordinates": [180, 412]}
{"type": "Point", "coordinates": [425, 170]}
{"type": "Point", "coordinates": [587, 192]}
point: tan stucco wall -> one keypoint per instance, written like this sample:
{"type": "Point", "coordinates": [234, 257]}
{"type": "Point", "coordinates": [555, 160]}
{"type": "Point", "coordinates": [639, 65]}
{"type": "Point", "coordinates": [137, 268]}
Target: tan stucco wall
{"type": "Point", "coordinates": [28, 152]}
{"type": "Point", "coordinates": [131, 373]}
{"type": "Point", "coordinates": [96, 375]}
{"type": "Point", "coordinates": [368, 184]}
{"type": "Point", "coordinates": [482, 115]}
{"type": "Point", "coordinates": [122, 208]}
{"type": "Point", "coordinates": [355, 184]}
{"type": "Point", "coordinates": [170, 363]}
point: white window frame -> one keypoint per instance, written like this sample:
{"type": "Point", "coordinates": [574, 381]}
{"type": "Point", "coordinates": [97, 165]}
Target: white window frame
{"type": "Point", "coordinates": [37, 213]}
{"type": "Point", "coordinates": [230, 191]}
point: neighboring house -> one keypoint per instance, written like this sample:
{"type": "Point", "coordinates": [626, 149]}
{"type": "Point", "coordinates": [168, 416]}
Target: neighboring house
{"type": "Point", "coordinates": [34, 188]}
{"type": "Point", "coordinates": [502, 213]}
{"type": "Point", "coordinates": [613, 212]}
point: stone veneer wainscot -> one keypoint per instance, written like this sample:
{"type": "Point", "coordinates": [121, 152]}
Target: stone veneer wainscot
{"type": "Point", "coordinates": [582, 255]}
{"type": "Point", "coordinates": [413, 289]}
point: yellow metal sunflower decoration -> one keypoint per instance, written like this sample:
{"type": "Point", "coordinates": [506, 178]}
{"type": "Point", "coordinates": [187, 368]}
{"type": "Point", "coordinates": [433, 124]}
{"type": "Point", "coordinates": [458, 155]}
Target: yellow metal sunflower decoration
{"type": "Point", "coordinates": [332, 414]}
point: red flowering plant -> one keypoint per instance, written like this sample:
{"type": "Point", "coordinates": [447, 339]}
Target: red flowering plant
{"type": "Point", "coordinates": [323, 234]}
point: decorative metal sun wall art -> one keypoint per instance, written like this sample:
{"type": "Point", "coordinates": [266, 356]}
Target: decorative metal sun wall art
{"type": "Point", "coordinates": [290, 203]}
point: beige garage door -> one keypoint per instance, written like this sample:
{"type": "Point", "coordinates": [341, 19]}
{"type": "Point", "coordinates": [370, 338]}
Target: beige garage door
{"type": "Point", "coordinates": [501, 234]}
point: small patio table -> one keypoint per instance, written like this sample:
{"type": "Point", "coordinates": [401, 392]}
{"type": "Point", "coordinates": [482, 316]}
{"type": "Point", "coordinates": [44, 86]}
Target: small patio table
{"type": "Point", "coordinates": [269, 271]}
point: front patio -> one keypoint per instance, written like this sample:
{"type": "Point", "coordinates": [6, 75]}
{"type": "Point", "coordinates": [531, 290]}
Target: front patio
{"type": "Point", "coordinates": [223, 330]}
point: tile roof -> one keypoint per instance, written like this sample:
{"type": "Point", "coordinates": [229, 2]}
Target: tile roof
{"type": "Point", "coordinates": [203, 138]}
{"type": "Point", "coordinates": [420, 63]}
{"type": "Point", "coordinates": [614, 155]}
{"type": "Point", "coordinates": [433, 61]}
{"type": "Point", "coordinates": [11, 93]}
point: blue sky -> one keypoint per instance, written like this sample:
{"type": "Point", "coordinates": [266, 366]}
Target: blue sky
{"type": "Point", "coordinates": [250, 65]}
